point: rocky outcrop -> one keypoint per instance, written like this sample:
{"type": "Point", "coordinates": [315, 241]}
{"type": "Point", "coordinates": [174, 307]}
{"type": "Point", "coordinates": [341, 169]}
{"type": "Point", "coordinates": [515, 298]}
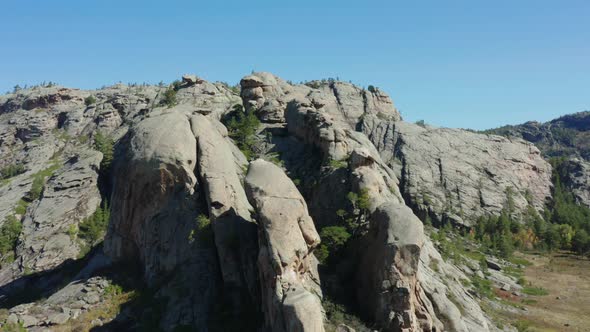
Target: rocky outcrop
{"type": "Point", "coordinates": [270, 96]}
{"type": "Point", "coordinates": [155, 204]}
{"type": "Point", "coordinates": [565, 136]}
{"type": "Point", "coordinates": [153, 175]}
{"type": "Point", "coordinates": [69, 303]}
{"type": "Point", "coordinates": [215, 99]}
{"type": "Point", "coordinates": [287, 238]}
{"type": "Point", "coordinates": [229, 211]}
{"type": "Point", "coordinates": [456, 175]}
{"type": "Point", "coordinates": [390, 293]}
{"type": "Point", "coordinates": [51, 224]}
{"type": "Point", "coordinates": [576, 177]}
{"type": "Point", "coordinates": [388, 288]}
{"type": "Point", "coordinates": [216, 248]}
{"type": "Point", "coordinates": [443, 284]}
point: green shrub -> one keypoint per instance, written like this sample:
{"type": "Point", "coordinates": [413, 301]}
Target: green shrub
{"type": "Point", "coordinates": [242, 127]}
{"type": "Point", "coordinates": [14, 327]}
{"type": "Point", "coordinates": [94, 227]}
{"type": "Point", "coordinates": [333, 240]}
{"type": "Point", "coordinates": [113, 290]}
{"type": "Point", "coordinates": [421, 123]}
{"type": "Point", "coordinates": [39, 181]}
{"type": "Point", "coordinates": [483, 287]}
{"type": "Point", "coordinates": [275, 158]}
{"type": "Point", "coordinates": [9, 233]}
{"type": "Point", "coordinates": [105, 145]}
{"type": "Point", "coordinates": [372, 89]}
{"type": "Point", "coordinates": [36, 187]}
{"type": "Point", "coordinates": [73, 232]}
{"type": "Point", "coordinates": [581, 242]}
{"type": "Point", "coordinates": [337, 314]}
{"type": "Point", "coordinates": [522, 325]}
{"type": "Point", "coordinates": [169, 97]}
{"type": "Point", "coordinates": [89, 100]}
{"type": "Point", "coordinates": [21, 207]}
{"type": "Point", "coordinates": [11, 171]}
{"type": "Point", "coordinates": [336, 164]}
{"type": "Point", "coordinates": [203, 232]}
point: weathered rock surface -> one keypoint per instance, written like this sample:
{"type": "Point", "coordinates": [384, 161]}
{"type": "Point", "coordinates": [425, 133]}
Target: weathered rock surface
{"type": "Point", "coordinates": [387, 288]}
{"type": "Point", "coordinates": [442, 283]}
{"type": "Point", "coordinates": [456, 175]}
{"type": "Point", "coordinates": [565, 136]}
{"type": "Point", "coordinates": [49, 227]}
{"type": "Point", "coordinates": [576, 177]}
{"type": "Point", "coordinates": [270, 96]}
{"type": "Point", "coordinates": [207, 98]}
{"type": "Point", "coordinates": [73, 300]}
{"type": "Point", "coordinates": [154, 212]}
{"type": "Point", "coordinates": [156, 165]}
{"type": "Point", "coordinates": [180, 211]}
{"type": "Point", "coordinates": [393, 296]}
{"type": "Point", "coordinates": [287, 238]}
{"type": "Point", "coordinates": [229, 210]}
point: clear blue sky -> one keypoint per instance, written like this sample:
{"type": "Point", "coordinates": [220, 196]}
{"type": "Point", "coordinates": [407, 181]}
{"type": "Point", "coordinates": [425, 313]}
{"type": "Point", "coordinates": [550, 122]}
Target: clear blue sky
{"type": "Point", "coordinates": [475, 64]}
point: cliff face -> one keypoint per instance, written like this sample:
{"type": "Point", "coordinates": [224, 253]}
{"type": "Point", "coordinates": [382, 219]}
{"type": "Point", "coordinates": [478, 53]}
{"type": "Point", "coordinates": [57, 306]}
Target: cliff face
{"type": "Point", "coordinates": [456, 175]}
{"type": "Point", "coordinates": [231, 244]}
{"type": "Point", "coordinates": [565, 137]}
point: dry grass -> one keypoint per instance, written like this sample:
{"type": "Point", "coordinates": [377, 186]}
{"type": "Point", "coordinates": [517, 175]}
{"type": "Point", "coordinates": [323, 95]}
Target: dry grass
{"type": "Point", "coordinates": [566, 278]}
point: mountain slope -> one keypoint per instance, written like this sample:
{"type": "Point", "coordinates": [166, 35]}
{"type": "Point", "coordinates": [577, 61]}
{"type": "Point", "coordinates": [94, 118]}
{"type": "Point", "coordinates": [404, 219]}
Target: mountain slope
{"type": "Point", "coordinates": [211, 239]}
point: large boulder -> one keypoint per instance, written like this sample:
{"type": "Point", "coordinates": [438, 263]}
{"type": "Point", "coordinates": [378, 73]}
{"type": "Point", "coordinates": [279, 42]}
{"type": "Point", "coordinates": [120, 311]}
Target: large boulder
{"type": "Point", "coordinates": [270, 95]}
{"type": "Point", "coordinates": [154, 170]}
{"type": "Point", "coordinates": [287, 239]}
{"type": "Point", "coordinates": [229, 210]}
{"type": "Point", "coordinates": [154, 209]}
{"type": "Point", "coordinates": [387, 285]}
{"type": "Point", "coordinates": [388, 288]}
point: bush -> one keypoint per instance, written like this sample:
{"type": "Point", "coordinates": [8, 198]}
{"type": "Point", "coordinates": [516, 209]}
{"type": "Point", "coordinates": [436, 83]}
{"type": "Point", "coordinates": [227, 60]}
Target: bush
{"type": "Point", "coordinates": [36, 187]}
{"type": "Point", "coordinates": [372, 89]}
{"type": "Point", "coordinates": [333, 240]}
{"type": "Point", "coordinates": [9, 233]}
{"type": "Point", "coordinates": [522, 325]}
{"type": "Point", "coordinates": [336, 164]}
{"type": "Point", "coordinates": [94, 227]}
{"type": "Point", "coordinates": [242, 127]}
{"type": "Point", "coordinates": [169, 98]}
{"type": "Point", "coordinates": [483, 287]}
{"type": "Point", "coordinates": [89, 100]}
{"type": "Point", "coordinates": [203, 232]}
{"type": "Point", "coordinates": [39, 181]}
{"type": "Point", "coordinates": [105, 145]}
{"type": "Point", "coordinates": [14, 327]}
{"type": "Point", "coordinates": [581, 242]}
{"type": "Point", "coordinates": [21, 207]}
{"type": "Point", "coordinates": [11, 171]}
{"type": "Point", "coordinates": [421, 123]}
